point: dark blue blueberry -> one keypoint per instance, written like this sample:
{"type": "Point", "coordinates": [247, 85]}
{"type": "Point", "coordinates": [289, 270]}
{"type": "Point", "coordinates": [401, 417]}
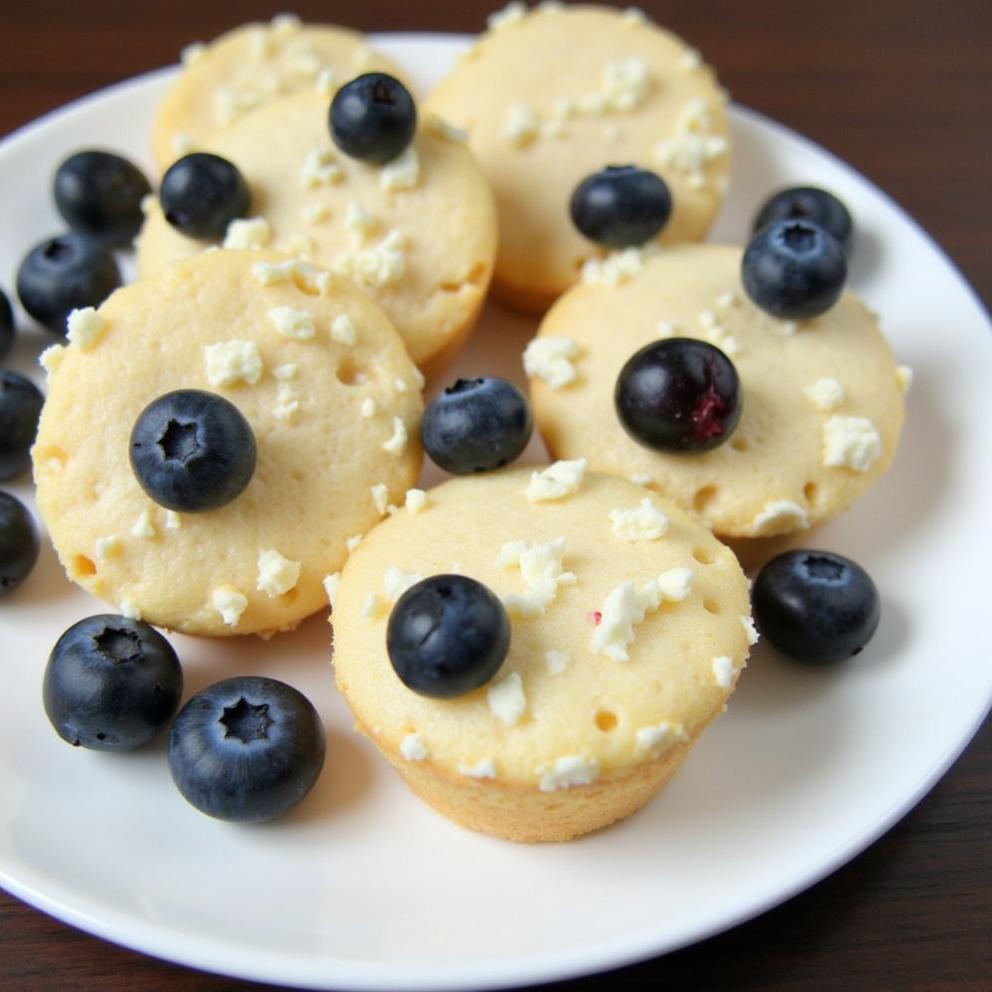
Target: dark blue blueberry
{"type": "Point", "coordinates": [811, 204]}
{"type": "Point", "coordinates": [678, 394]}
{"type": "Point", "coordinates": [815, 606]}
{"type": "Point", "coordinates": [64, 274]}
{"type": "Point", "coordinates": [201, 194]}
{"type": "Point", "coordinates": [373, 117]}
{"type": "Point", "coordinates": [621, 206]}
{"type": "Point", "coordinates": [100, 194]}
{"type": "Point", "coordinates": [794, 269]}
{"type": "Point", "coordinates": [6, 325]}
{"type": "Point", "coordinates": [447, 635]}
{"type": "Point", "coordinates": [20, 407]}
{"type": "Point", "coordinates": [246, 749]}
{"type": "Point", "coordinates": [111, 683]}
{"type": "Point", "coordinates": [18, 543]}
{"type": "Point", "coordinates": [476, 425]}
{"type": "Point", "coordinates": [192, 451]}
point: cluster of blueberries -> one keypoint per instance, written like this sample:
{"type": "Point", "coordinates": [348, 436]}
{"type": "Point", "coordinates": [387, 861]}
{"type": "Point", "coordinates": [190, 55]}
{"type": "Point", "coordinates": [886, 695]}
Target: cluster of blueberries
{"type": "Point", "coordinates": [248, 749]}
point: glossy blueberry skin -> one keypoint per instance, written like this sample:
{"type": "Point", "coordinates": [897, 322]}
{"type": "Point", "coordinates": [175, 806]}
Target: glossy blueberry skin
{"type": "Point", "coordinates": [447, 635]}
{"type": "Point", "coordinates": [678, 395]}
{"type": "Point", "coordinates": [246, 749]}
{"type": "Point", "coordinates": [6, 325]}
{"type": "Point", "coordinates": [811, 204]}
{"type": "Point", "coordinates": [63, 274]}
{"type": "Point", "coordinates": [476, 425]}
{"type": "Point", "coordinates": [816, 607]}
{"type": "Point", "coordinates": [794, 270]}
{"type": "Point", "coordinates": [100, 193]}
{"type": "Point", "coordinates": [111, 683]}
{"type": "Point", "coordinates": [621, 206]}
{"type": "Point", "coordinates": [20, 407]}
{"type": "Point", "coordinates": [18, 543]}
{"type": "Point", "coordinates": [373, 117]}
{"type": "Point", "coordinates": [201, 194]}
{"type": "Point", "coordinates": [192, 451]}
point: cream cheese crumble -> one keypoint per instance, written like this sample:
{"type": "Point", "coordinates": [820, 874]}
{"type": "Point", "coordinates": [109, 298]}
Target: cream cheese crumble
{"type": "Point", "coordinates": [228, 362]}
{"type": "Point", "coordinates": [403, 172]}
{"type": "Point", "coordinates": [85, 327]}
{"type": "Point", "coordinates": [396, 582]}
{"type": "Point", "coordinates": [368, 408]}
{"type": "Point", "coordinates": [247, 234]}
{"type": "Point", "coordinates": [331, 584]}
{"type": "Point", "coordinates": [569, 771]}
{"type": "Point", "coordinates": [343, 330]}
{"type": "Point", "coordinates": [750, 630]}
{"type": "Point", "coordinates": [618, 267]}
{"type": "Point", "coordinates": [550, 358]}
{"type": "Point", "coordinates": [644, 522]}
{"type": "Point", "coordinates": [723, 671]}
{"type": "Point", "coordinates": [486, 768]}
{"type": "Point", "coordinates": [143, 527]}
{"type": "Point", "coordinates": [412, 747]}
{"type": "Point", "coordinates": [557, 661]}
{"type": "Point", "coordinates": [415, 500]}
{"type": "Point", "coordinates": [396, 443]}
{"type": "Point", "coordinates": [293, 323]}
{"type": "Point", "coordinates": [558, 480]}
{"type": "Point", "coordinates": [276, 573]}
{"type": "Point", "coordinates": [320, 169]}
{"type": "Point", "coordinates": [652, 740]}
{"type": "Point", "coordinates": [851, 442]}
{"type": "Point", "coordinates": [541, 569]}
{"type": "Point", "coordinates": [506, 698]}
{"type": "Point", "coordinates": [779, 512]}
{"type": "Point", "coordinates": [825, 394]}
{"type": "Point", "coordinates": [230, 603]}
{"type": "Point", "coordinates": [521, 124]}
{"type": "Point", "coordinates": [375, 266]}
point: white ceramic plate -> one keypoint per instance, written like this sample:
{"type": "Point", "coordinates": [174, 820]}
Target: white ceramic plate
{"type": "Point", "coordinates": [364, 887]}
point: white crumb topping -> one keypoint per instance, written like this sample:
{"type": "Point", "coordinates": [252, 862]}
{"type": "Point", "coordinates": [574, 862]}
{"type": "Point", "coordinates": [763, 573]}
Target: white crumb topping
{"type": "Point", "coordinates": [557, 661]}
{"type": "Point", "coordinates": [276, 573]}
{"type": "Point", "coordinates": [618, 267]}
{"type": "Point", "coordinates": [247, 234]}
{"type": "Point", "coordinates": [375, 266]}
{"type": "Point", "coordinates": [904, 378]}
{"type": "Point", "coordinates": [108, 547]}
{"type": "Point", "coordinates": [293, 323]}
{"type": "Point", "coordinates": [641, 479]}
{"type": "Point", "coordinates": [644, 522]}
{"type": "Point", "coordinates": [129, 609]}
{"type": "Point", "coordinates": [353, 542]}
{"type": "Point", "coordinates": [343, 330]}
{"type": "Point", "coordinates": [228, 106]}
{"type": "Point", "coordinates": [633, 16]}
{"type": "Point", "coordinates": [625, 83]}
{"type": "Point", "coordinates": [851, 442]}
{"type": "Point", "coordinates": [284, 372]}
{"type": "Point", "coordinates": [569, 771]}
{"type": "Point", "coordinates": [400, 386]}
{"type": "Point", "coordinates": [403, 172]}
{"type": "Point", "coordinates": [326, 83]}
{"type": "Point", "coordinates": [521, 124]}
{"type": "Point", "coordinates": [380, 497]}
{"type": "Point", "coordinates": [412, 747]}
{"type": "Point", "coordinates": [550, 358]}
{"type": "Point", "coordinates": [143, 527]}
{"type": "Point", "coordinates": [675, 584]}
{"type": "Point", "coordinates": [415, 500]}
{"type": "Point", "coordinates": [358, 220]}
{"type": "Point", "coordinates": [228, 362]}
{"type": "Point", "coordinates": [727, 299]}
{"type": "Point", "coordinates": [396, 444]}
{"type": "Point", "coordinates": [667, 329]}
{"type": "Point", "coordinates": [192, 53]}
{"type": "Point", "coordinates": [825, 394]}
{"type": "Point", "coordinates": [320, 169]}
{"type": "Point", "coordinates": [542, 573]}
{"type": "Point", "coordinates": [690, 60]}
{"type": "Point", "coordinates": [510, 14]}
{"type": "Point", "coordinates": [315, 213]}
{"type": "Point", "coordinates": [780, 512]}
{"type": "Point", "coordinates": [506, 698]}
{"type": "Point", "coordinates": [560, 479]}
{"type": "Point", "coordinates": [85, 327]}
{"type": "Point", "coordinates": [396, 582]}
{"type": "Point", "coordinates": [182, 144]}
{"type": "Point", "coordinates": [723, 671]}
{"type": "Point", "coordinates": [51, 358]}
{"type": "Point", "coordinates": [371, 606]}
{"type": "Point", "coordinates": [284, 24]}
{"type": "Point", "coordinates": [173, 521]}
{"type": "Point", "coordinates": [485, 768]}
{"type": "Point", "coordinates": [230, 603]}
{"type": "Point", "coordinates": [287, 402]}
{"type": "Point", "coordinates": [440, 128]}
{"type": "Point", "coordinates": [750, 630]}
{"type": "Point", "coordinates": [331, 585]}
{"type": "Point", "coordinates": [652, 740]}
{"type": "Point", "coordinates": [368, 408]}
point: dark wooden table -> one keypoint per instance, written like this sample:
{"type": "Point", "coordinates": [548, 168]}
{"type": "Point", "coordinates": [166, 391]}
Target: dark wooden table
{"type": "Point", "coordinates": [902, 90]}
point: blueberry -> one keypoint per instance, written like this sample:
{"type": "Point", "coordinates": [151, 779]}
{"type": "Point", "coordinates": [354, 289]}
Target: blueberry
{"type": "Point", "coordinates": [18, 543]}
{"type": "Point", "coordinates": [111, 683]}
{"type": "Point", "coordinates": [476, 425]}
{"type": "Point", "coordinates": [20, 408]}
{"type": "Point", "coordinates": [621, 206]}
{"type": "Point", "coordinates": [815, 606]}
{"type": "Point", "coordinates": [447, 635]}
{"type": "Point", "coordinates": [100, 193]}
{"type": "Point", "coordinates": [63, 274]}
{"type": "Point", "coordinates": [192, 451]}
{"type": "Point", "coordinates": [811, 204]}
{"type": "Point", "coordinates": [678, 394]}
{"type": "Point", "coordinates": [6, 325]}
{"type": "Point", "coordinates": [373, 117]}
{"type": "Point", "coordinates": [201, 194]}
{"type": "Point", "coordinates": [246, 749]}
{"type": "Point", "coordinates": [794, 269]}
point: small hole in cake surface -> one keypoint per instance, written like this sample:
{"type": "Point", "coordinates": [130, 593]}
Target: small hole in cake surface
{"type": "Point", "coordinates": [711, 606]}
{"type": "Point", "coordinates": [81, 566]}
{"type": "Point", "coordinates": [739, 444]}
{"type": "Point", "coordinates": [703, 555]}
{"type": "Point", "coordinates": [606, 720]}
{"type": "Point", "coordinates": [703, 498]}
{"type": "Point", "coordinates": [350, 373]}
{"type": "Point", "coordinates": [296, 475]}
{"type": "Point", "coordinates": [810, 492]}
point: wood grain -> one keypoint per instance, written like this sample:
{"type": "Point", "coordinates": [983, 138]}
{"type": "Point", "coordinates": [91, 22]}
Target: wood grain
{"type": "Point", "coordinates": [901, 91]}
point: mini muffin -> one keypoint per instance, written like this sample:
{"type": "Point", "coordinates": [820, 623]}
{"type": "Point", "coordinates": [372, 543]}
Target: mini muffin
{"type": "Point", "coordinates": [331, 398]}
{"type": "Point", "coordinates": [821, 399]}
{"type": "Point", "coordinates": [417, 234]}
{"type": "Point", "coordinates": [630, 624]}
{"type": "Point", "coordinates": [552, 95]}
{"type": "Point", "coordinates": [233, 75]}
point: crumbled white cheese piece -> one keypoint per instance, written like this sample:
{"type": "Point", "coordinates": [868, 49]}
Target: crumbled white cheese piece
{"type": "Point", "coordinates": [510, 14]}
{"type": "Point", "coordinates": [557, 661]}
{"type": "Point", "coordinates": [415, 500]}
{"type": "Point", "coordinates": [558, 480]}
{"type": "Point", "coordinates": [51, 358]}
{"type": "Point", "coordinates": [549, 358]}
{"type": "Point", "coordinates": [353, 542]}
{"type": "Point", "coordinates": [400, 386]}
{"type": "Point", "coordinates": [358, 220]}
{"type": "Point", "coordinates": [403, 172]}
{"type": "Point", "coordinates": [331, 585]}
{"type": "Point", "coordinates": [305, 65]}
{"type": "Point", "coordinates": [396, 444]}
{"type": "Point", "coordinates": [287, 402]}
{"type": "Point", "coordinates": [380, 497]}
{"type": "Point", "coordinates": [904, 378]}
{"type": "Point", "coordinates": [326, 83]}
{"type": "Point", "coordinates": [276, 573]}
{"type": "Point", "coordinates": [85, 327]}
{"type": "Point", "coordinates": [667, 329]}
{"type": "Point", "coordinates": [633, 16]}
{"type": "Point", "coordinates": [787, 327]}
{"type": "Point", "coordinates": [230, 603]}
{"type": "Point", "coordinates": [108, 547]}
{"type": "Point", "coordinates": [412, 747]}
{"type": "Point", "coordinates": [376, 266]}
{"type": "Point", "coordinates": [259, 43]}
{"type": "Point", "coordinates": [675, 584]}
{"type": "Point", "coordinates": [654, 739]}
{"type": "Point", "coordinates": [368, 407]}
{"type": "Point", "coordinates": [541, 570]}
{"type": "Point", "coordinates": [642, 523]}
{"type": "Point", "coordinates": [723, 671]}
{"type": "Point", "coordinates": [642, 479]}
{"type": "Point", "coordinates": [343, 330]}
{"type": "Point", "coordinates": [363, 57]}
{"type": "Point", "coordinates": [284, 372]}
{"type": "Point", "coordinates": [851, 442]}
{"type": "Point", "coordinates": [521, 124]}
{"type": "Point", "coordinates": [370, 607]}
{"type": "Point", "coordinates": [625, 83]}
{"type": "Point", "coordinates": [440, 128]}
{"type": "Point", "coordinates": [293, 323]}
{"type": "Point", "coordinates": [727, 300]}
{"type": "Point", "coordinates": [315, 213]}
{"type": "Point", "coordinates": [752, 632]}
{"type": "Point", "coordinates": [506, 698]}
{"type": "Point", "coordinates": [143, 527]}
{"type": "Point", "coordinates": [689, 152]}
{"type": "Point", "coordinates": [320, 169]}
{"type": "Point", "coordinates": [228, 362]}
{"type": "Point", "coordinates": [129, 609]}
{"type": "Point", "coordinates": [273, 273]}
{"type": "Point", "coordinates": [486, 768]}
{"type": "Point", "coordinates": [181, 144]}
{"type": "Point", "coordinates": [172, 520]}
{"type": "Point", "coordinates": [825, 394]}
{"type": "Point", "coordinates": [295, 244]}
{"type": "Point", "coordinates": [418, 378]}
{"type": "Point", "coordinates": [284, 24]}
{"type": "Point", "coordinates": [192, 54]}
{"type": "Point", "coordinates": [247, 234]}
{"type": "Point", "coordinates": [618, 267]}
{"type": "Point", "coordinates": [690, 60]}
{"type": "Point", "coordinates": [780, 511]}
{"type": "Point", "coordinates": [569, 771]}
{"type": "Point", "coordinates": [396, 582]}
{"type": "Point", "coordinates": [228, 106]}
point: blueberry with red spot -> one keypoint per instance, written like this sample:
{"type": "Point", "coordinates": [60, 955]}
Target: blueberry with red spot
{"type": "Point", "coordinates": [816, 607]}
{"type": "Point", "coordinates": [373, 117]}
{"type": "Point", "coordinates": [678, 395]}
{"type": "Point", "coordinates": [20, 407]}
{"type": "Point", "coordinates": [621, 206]}
{"type": "Point", "coordinates": [811, 204]}
{"type": "Point", "coordinates": [202, 193]}
{"type": "Point", "coordinates": [18, 543]}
